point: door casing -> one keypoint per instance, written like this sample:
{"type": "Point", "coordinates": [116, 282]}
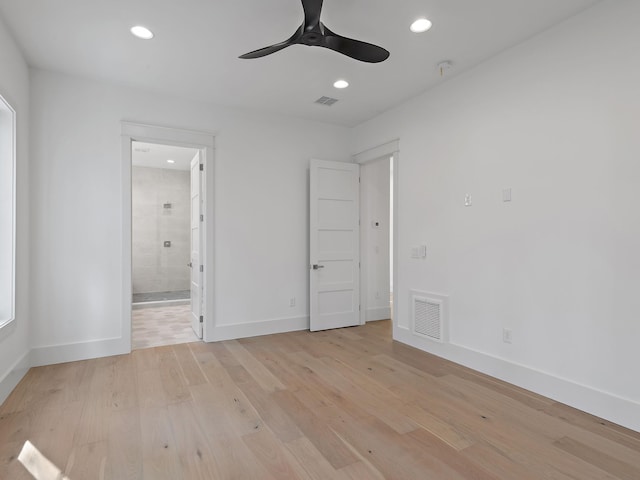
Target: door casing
{"type": "Point", "coordinates": [205, 142]}
{"type": "Point", "coordinates": [372, 154]}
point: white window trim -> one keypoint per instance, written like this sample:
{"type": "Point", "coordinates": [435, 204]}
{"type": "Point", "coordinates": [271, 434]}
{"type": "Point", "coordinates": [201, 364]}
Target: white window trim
{"type": "Point", "coordinates": [4, 322]}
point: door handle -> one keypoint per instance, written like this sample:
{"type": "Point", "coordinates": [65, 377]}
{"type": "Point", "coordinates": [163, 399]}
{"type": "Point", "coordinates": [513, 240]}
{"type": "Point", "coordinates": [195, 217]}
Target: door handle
{"type": "Point", "coordinates": [189, 264]}
{"type": "Point", "coordinates": [317, 267]}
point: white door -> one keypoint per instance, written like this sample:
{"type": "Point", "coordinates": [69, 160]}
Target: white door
{"type": "Point", "coordinates": [196, 272]}
{"type": "Point", "coordinates": [334, 250]}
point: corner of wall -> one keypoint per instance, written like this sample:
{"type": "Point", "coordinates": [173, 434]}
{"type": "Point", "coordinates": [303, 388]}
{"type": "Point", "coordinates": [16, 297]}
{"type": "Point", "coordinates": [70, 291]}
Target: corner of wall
{"type": "Point", "coordinates": [621, 411]}
{"type": "Point", "coordinates": [73, 352]}
{"type": "Point", "coordinates": [13, 375]}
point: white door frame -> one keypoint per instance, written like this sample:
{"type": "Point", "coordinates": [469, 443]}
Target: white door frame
{"type": "Point", "coordinates": [389, 149]}
{"type": "Point", "coordinates": [205, 142]}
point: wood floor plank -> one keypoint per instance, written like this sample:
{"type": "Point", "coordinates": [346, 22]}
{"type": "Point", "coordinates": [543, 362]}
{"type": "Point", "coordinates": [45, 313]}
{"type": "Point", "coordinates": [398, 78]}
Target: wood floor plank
{"type": "Point", "coordinates": [88, 461]}
{"type": "Point", "coordinates": [124, 452]}
{"type": "Point", "coordinates": [432, 445]}
{"type": "Point", "coordinates": [273, 456]}
{"type": "Point", "coordinates": [270, 412]}
{"type": "Point", "coordinates": [233, 458]}
{"type": "Point", "coordinates": [387, 451]}
{"type": "Point", "coordinates": [195, 457]}
{"type": "Point", "coordinates": [256, 369]}
{"type": "Point", "coordinates": [595, 425]}
{"type": "Point", "coordinates": [192, 373]}
{"type": "Point", "coordinates": [10, 467]}
{"type": "Point", "coordinates": [360, 470]}
{"type": "Point", "coordinates": [53, 432]}
{"type": "Point", "coordinates": [316, 430]}
{"type": "Point", "coordinates": [314, 463]}
{"type": "Point", "coordinates": [159, 448]}
{"type": "Point", "coordinates": [372, 400]}
{"type": "Point", "coordinates": [173, 381]}
{"type": "Point", "coordinates": [340, 404]}
{"type": "Point", "coordinates": [603, 461]}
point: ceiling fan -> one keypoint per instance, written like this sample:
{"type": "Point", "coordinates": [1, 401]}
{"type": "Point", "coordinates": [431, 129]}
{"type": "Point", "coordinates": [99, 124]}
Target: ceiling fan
{"type": "Point", "coordinates": [314, 33]}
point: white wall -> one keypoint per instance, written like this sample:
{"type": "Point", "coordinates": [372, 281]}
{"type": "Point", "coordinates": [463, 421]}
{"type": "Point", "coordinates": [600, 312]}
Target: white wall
{"type": "Point", "coordinates": [156, 268]}
{"type": "Point", "coordinates": [374, 241]}
{"type": "Point", "coordinates": [14, 341]}
{"type": "Point", "coordinates": [556, 120]}
{"type": "Point", "coordinates": [261, 170]}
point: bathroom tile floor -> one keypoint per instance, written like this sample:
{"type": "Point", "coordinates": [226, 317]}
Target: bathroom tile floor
{"type": "Point", "coordinates": [156, 326]}
{"type": "Point", "coordinates": [161, 296]}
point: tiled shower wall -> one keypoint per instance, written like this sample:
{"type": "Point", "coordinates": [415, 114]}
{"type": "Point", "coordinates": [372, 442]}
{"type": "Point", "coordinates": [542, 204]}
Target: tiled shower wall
{"type": "Point", "coordinates": [157, 268]}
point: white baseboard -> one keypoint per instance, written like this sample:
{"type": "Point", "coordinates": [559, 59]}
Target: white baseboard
{"type": "Point", "coordinates": [77, 351]}
{"type": "Point", "coordinates": [160, 303]}
{"type": "Point", "coordinates": [13, 375]}
{"type": "Point", "coordinates": [255, 329]}
{"type": "Point", "coordinates": [375, 314]}
{"type": "Point", "coordinates": [623, 411]}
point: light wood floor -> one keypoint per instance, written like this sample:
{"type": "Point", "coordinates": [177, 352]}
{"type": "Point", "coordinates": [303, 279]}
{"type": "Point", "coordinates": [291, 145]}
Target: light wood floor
{"type": "Point", "coordinates": [343, 404]}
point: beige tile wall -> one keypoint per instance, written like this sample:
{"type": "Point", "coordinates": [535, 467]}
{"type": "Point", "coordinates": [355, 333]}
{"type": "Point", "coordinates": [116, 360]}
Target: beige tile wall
{"type": "Point", "coordinates": [157, 268]}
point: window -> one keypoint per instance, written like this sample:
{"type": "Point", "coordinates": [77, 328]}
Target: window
{"type": "Point", "coordinates": [7, 211]}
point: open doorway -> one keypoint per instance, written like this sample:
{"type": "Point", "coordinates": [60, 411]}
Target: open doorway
{"type": "Point", "coordinates": [165, 249]}
{"type": "Point", "coordinates": [376, 239]}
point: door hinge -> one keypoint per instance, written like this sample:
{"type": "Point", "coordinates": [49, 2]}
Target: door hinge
{"type": "Point", "coordinates": [202, 268]}
{"type": "Point", "coordinates": [202, 167]}
{"type": "Point", "coordinates": [358, 179]}
{"type": "Point", "coordinates": [359, 308]}
{"type": "Point", "coordinates": [201, 319]}
{"type": "Point", "coordinates": [202, 217]}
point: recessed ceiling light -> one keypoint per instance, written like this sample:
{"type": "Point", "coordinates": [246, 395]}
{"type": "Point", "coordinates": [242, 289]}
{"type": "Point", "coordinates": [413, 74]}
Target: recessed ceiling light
{"type": "Point", "coordinates": [142, 32]}
{"type": "Point", "coordinates": [341, 84]}
{"type": "Point", "coordinates": [171, 161]}
{"type": "Point", "coordinates": [421, 25]}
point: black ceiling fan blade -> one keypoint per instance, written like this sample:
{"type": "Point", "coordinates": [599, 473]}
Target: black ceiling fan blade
{"type": "Point", "coordinates": [263, 52]}
{"type": "Point", "coordinates": [363, 51]}
{"type": "Point", "coordinates": [312, 10]}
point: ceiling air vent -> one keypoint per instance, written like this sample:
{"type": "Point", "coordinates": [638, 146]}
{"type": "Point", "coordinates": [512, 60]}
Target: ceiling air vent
{"type": "Point", "coordinates": [328, 101]}
{"type": "Point", "coordinates": [428, 312]}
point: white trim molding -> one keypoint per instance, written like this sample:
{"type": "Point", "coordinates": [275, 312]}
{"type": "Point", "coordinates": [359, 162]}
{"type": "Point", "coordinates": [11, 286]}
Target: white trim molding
{"type": "Point", "coordinates": [205, 142]}
{"type": "Point", "coordinates": [388, 149]}
{"type": "Point", "coordinates": [13, 375]}
{"type": "Point", "coordinates": [73, 352]}
{"type": "Point", "coordinates": [374, 153]}
{"type": "Point", "coordinates": [375, 314]}
{"type": "Point", "coordinates": [259, 328]}
{"type": "Point", "coordinates": [622, 411]}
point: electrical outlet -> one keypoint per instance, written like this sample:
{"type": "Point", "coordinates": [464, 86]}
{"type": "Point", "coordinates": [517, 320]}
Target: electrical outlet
{"type": "Point", "coordinates": [507, 335]}
{"type": "Point", "coordinates": [292, 302]}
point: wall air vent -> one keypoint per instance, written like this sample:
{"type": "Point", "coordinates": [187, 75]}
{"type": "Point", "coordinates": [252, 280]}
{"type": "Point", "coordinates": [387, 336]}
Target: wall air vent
{"type": "Point", "coordinates": [327, 101]}
{"type": "Point", "coordinates": [428, 314]}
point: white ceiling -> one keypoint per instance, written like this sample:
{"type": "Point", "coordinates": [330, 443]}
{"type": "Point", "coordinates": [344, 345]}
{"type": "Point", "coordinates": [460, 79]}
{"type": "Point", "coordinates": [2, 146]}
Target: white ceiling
{"type": "Point", "coordinates": [194, 54]}
{"type": "Point", "coordinates": [155, 155]}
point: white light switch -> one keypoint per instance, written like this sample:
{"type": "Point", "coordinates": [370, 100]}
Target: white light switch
{"type": "Point", "coordinates": [506, 195]}
{"type": "Point", "coordinates": [467, 200]}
